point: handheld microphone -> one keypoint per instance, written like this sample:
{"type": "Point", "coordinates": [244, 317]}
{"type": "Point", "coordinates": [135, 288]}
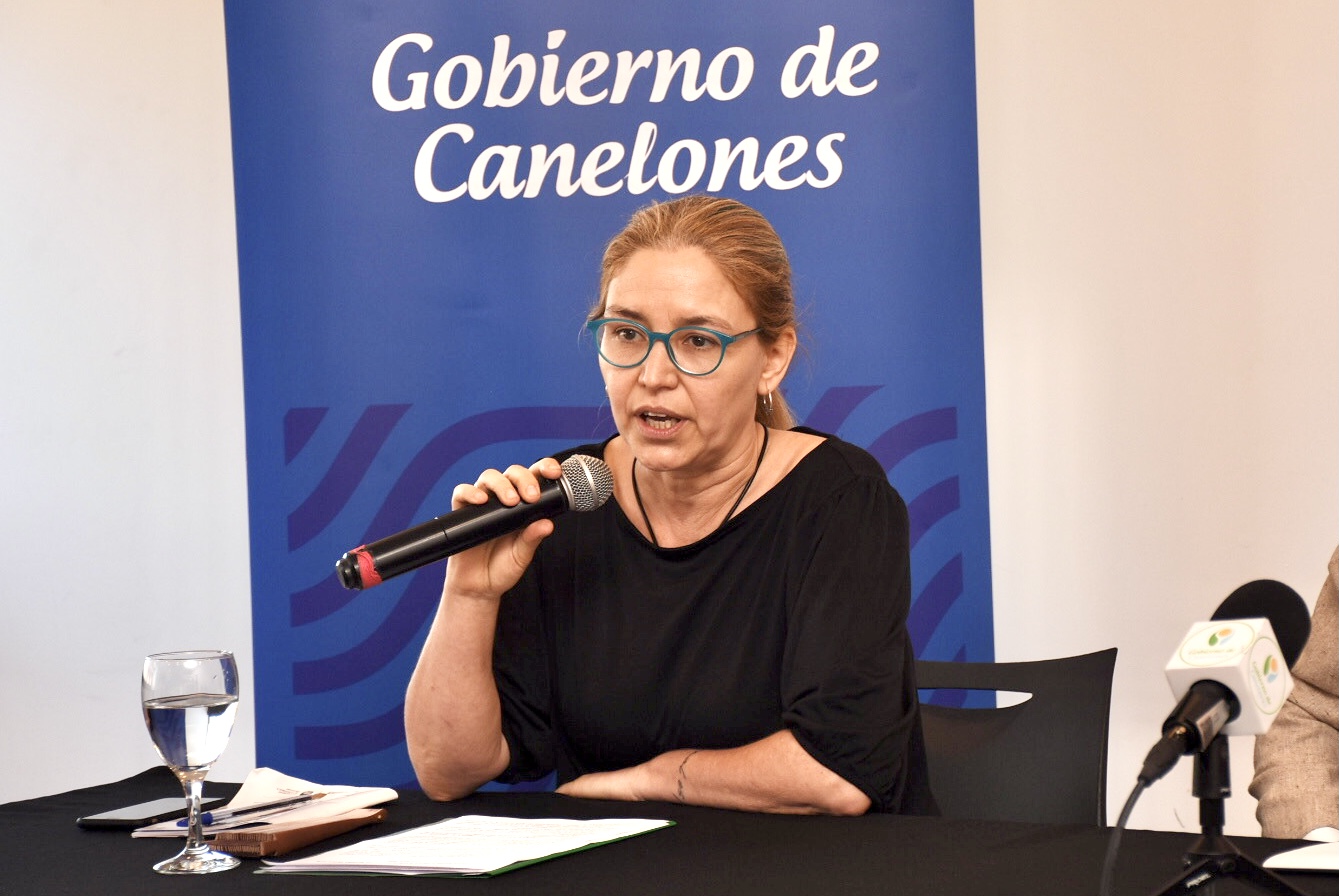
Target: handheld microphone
{"type": "Point", "coordinates": [585, 484]}
{"type": "Point", "coordinates": [1231, 673]}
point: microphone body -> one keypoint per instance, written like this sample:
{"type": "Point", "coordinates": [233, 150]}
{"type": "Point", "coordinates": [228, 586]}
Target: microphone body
{"type": "Point", "coordinates": [586, 484]}
{"type": "Point", "coordinates": [1231, 673]}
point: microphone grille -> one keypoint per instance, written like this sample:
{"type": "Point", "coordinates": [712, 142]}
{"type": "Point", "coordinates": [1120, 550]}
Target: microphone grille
{"type": "Point", "coordinates": [1275, 601]}
{"type": "Point", "coordinates": [588, 482]}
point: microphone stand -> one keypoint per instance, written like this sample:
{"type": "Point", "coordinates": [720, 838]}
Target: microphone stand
{"type": "Point", "coordinates": [1213, 856]}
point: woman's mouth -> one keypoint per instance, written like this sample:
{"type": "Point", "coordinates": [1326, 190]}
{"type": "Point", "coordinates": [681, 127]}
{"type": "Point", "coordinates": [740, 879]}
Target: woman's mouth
{"type": "Point", "coordinates": [658, 422]}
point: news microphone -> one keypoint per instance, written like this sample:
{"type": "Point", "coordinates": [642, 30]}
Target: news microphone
{"type": "Point", "coordinates": [585, 484]}
{"type": "Point", "coordinates": [1232, 672]}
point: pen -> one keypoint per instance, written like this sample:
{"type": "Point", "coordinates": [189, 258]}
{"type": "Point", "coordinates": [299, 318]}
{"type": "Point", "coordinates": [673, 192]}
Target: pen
{"type": "Point", "coordinates": [223, 815]}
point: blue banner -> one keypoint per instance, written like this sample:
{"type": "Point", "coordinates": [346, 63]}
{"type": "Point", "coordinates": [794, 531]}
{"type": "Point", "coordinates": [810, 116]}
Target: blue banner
{"type": "Point", "coordinates": [424, 190]}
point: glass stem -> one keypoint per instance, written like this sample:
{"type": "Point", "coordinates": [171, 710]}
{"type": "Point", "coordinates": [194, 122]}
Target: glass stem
{"type": "Point", "coordinates": [195, 839]}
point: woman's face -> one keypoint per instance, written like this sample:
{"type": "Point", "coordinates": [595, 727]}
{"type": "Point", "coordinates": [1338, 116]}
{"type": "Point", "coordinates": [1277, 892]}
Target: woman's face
{"type": "Point", "coordinates": [670, 420]}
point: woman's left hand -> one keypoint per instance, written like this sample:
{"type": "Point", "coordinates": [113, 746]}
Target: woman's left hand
{"type": "Point", "coordinates": [618, 785]}
{"type": "Point", "coordinates": [774, 774]}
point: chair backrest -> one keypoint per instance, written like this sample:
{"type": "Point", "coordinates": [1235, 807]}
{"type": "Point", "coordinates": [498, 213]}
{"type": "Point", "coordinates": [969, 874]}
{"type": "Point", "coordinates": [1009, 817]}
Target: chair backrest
{"type": "Point", "coordinates": [1042, 760]}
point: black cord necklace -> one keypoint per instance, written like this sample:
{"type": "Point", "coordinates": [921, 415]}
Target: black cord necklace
{"type": "Point", "coordinates": [637, 492]}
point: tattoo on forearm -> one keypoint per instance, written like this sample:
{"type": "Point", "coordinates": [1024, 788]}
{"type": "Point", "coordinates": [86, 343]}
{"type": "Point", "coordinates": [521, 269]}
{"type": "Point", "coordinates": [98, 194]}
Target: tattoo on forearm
{"type": "Point", "coordinates": [682, 776]}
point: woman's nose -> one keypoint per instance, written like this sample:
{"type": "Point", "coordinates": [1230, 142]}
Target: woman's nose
{"type": "Point", "coordinates": [659, 368]}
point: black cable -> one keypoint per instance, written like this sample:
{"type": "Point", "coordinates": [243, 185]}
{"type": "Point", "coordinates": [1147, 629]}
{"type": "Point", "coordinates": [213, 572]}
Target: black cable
{"type": "Point", "coordinates": [1113, 845]}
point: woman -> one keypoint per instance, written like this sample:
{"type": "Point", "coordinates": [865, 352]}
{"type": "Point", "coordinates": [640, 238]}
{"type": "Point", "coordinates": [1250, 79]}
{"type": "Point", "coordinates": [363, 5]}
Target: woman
{"type": "Point", "coordinates": [730, 629]}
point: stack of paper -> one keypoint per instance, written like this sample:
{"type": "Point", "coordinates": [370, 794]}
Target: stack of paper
{"type": "Point", "coordinates": [469, 846]}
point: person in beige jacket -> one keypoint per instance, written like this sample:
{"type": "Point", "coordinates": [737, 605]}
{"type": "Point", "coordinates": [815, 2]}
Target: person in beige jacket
{"type": "Point", "coordinates": [1297, 760]}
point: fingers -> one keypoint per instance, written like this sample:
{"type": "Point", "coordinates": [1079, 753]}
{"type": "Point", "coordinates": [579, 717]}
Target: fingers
{"type": "Point", "coordinates": [527, 539]}
{"type": "Point", "coordinates": [615, 785]}
{"type": "Point", "coordinates": [586, 787]}
{"type": "Point", "coordinates": [511, 486]}
{"type": "Point", "coordinates": [548, 468]}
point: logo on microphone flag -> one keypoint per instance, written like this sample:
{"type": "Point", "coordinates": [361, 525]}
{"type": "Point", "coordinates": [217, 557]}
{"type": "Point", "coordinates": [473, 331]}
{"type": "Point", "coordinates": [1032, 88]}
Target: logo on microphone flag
{"type": "Point", "coordinates": [1271, 682]}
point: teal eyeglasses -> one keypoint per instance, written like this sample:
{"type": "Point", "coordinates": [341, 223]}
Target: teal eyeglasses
{"type": "Point", "coordinates": [696, 351]}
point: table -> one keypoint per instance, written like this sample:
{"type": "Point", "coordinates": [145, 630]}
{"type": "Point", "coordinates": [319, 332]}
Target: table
{"type": "Point", "coordinates": [707, 852]}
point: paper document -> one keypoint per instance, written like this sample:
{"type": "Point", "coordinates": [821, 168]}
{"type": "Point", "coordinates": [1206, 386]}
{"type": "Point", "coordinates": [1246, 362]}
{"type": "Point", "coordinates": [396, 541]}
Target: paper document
{"type": "Point", "coordinates": [471, 845]}
{"type": "Point", "coordinates": [1318, 857]}
{"type": "Point", "coordinates": [265, 785]}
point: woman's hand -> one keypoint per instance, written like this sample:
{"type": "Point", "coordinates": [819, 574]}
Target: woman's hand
{"type": "Point", "coordinates": [490, 569]}
{"type": "Point", "coordinates": [774, 774]}
{"type": "Point", "coordinates": [662, 778]}
{"type": "Point", "coordinates": [626, 784]}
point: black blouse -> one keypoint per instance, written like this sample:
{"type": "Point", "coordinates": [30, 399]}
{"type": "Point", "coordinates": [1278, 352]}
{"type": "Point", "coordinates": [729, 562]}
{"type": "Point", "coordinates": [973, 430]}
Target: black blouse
{"type": "Point", "coordinates": [611, 651]}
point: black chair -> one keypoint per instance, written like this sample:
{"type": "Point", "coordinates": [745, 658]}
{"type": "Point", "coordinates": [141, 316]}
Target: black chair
{"type": "Point", "coordinates": [1042, 760]}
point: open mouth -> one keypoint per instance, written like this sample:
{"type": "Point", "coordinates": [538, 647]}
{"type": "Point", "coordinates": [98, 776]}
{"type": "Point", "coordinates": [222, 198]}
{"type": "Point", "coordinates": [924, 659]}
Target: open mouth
{"type": "Point", "coordinates": [659, 421]}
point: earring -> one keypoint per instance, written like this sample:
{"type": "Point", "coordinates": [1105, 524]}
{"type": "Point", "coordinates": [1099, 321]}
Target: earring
{"type": "Point", "coordinates": [767, 405]}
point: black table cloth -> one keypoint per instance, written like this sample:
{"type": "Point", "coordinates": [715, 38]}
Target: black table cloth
{"type": "Point", "coordinates": [707, 852]}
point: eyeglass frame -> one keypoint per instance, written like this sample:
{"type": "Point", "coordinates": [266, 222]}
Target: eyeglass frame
{"type": "Point", "coordinates": [652, 337]}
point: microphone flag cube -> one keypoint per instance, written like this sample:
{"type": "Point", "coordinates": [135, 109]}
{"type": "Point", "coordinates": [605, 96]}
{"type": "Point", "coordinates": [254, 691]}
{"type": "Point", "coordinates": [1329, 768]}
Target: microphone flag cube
{"type": "Point", "coordinates": [1244, 656]}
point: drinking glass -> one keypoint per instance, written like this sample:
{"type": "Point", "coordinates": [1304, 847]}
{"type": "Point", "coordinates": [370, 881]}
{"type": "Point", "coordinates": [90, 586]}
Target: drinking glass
{"type": "Point", "coordinates": [190, 699]}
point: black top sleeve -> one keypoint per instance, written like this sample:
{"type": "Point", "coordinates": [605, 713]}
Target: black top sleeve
{"type": "Point", "coordinates": [849, 659]}
{"type": "Point", "coordinates": [521, 670]}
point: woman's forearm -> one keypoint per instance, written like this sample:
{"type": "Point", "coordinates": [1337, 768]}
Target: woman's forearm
{"type": "Point", "coordinates": [453, 719]}
{"type": "Point", "coordinates": [774, 774]}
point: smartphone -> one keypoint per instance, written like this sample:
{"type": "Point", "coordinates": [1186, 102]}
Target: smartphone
{"type": "Point", "coordinates": [140, 814]}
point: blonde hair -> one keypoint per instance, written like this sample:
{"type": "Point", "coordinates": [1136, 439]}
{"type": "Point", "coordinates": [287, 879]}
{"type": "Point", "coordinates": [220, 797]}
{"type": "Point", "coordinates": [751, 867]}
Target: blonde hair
{"type": "Point", "coordinates": [741, 243]}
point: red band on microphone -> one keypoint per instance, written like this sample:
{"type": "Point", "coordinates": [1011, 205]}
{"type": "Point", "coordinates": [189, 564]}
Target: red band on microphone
{"type": "Point", "coordinates": [367, 570]}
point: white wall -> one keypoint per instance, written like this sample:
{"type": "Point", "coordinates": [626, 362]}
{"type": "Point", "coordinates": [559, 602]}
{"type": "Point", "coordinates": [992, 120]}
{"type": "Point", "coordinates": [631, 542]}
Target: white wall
{"type": "Point", "coordinates": [1160, 223]}
{"type": "Point", "coordinates": [122, 468]}
{"type": "Point", "coordinates": [1159, 199]}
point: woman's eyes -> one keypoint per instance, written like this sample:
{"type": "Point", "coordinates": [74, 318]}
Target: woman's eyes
{"type": "Point", "coordinates": [696, 339]}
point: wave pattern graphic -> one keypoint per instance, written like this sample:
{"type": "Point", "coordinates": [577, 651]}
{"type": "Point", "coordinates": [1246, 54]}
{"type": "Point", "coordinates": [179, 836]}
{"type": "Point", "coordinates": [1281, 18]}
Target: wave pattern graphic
{"type": "Point", "coordinates": [361, 734]}
{"type": "Point", "coordinates": [348, 469]}
{"type": "Point", "coordinates": [355, 739]}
